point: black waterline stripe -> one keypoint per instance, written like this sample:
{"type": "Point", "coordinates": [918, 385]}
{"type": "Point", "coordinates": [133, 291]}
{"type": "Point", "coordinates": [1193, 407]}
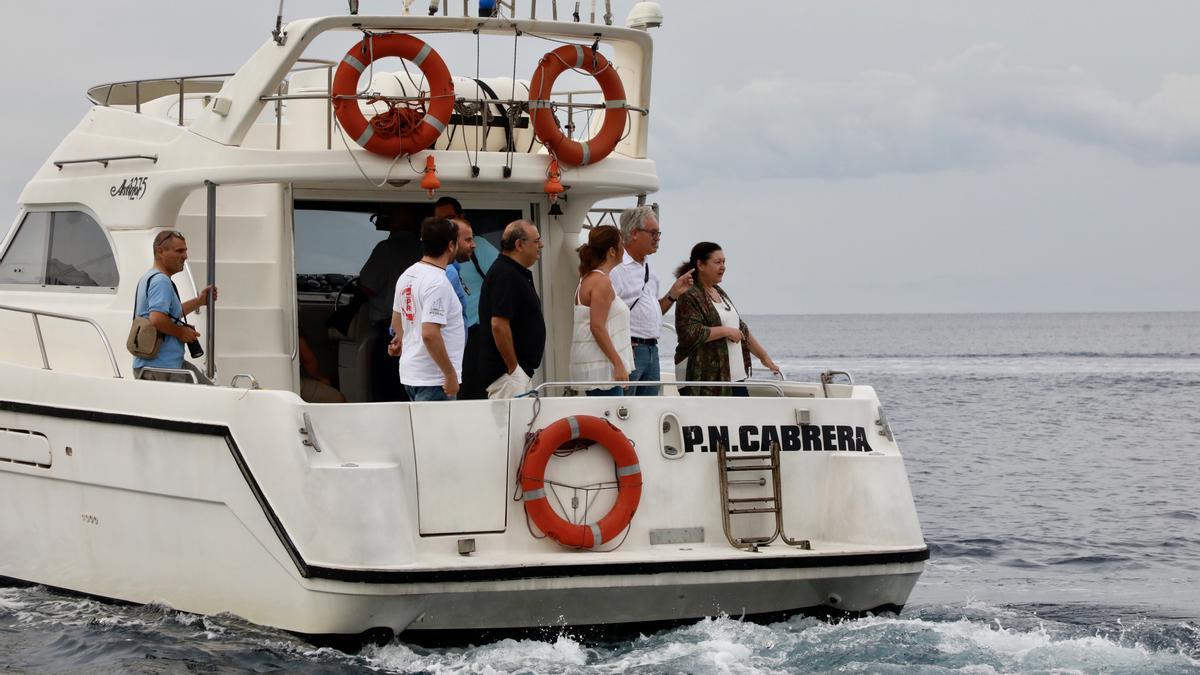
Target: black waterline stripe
{"type": "Point", "coordinates": [751, 562]}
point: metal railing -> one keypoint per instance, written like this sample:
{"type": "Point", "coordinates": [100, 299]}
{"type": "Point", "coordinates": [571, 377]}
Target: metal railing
{"type": "Point", "coordinates": [513, 9]}
{"type": "Point", "coordinates": [103, 160]}
{"type": "Point", "coordinates": [37, 329]}
{"type": "Point", "coordinates": [608, 384]}
{"type": "Point", "coordinates": [137, 92]}
{"type": "Point", "coordinates": [130, 92]}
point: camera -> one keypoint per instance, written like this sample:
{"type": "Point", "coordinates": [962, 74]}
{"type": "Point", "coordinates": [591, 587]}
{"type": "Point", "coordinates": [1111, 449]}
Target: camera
{"type": "Point", "coordinates": [194, 347]}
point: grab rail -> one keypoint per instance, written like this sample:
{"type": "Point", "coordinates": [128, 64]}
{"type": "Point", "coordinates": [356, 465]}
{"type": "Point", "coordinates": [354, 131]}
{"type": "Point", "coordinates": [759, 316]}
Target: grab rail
{"type": "Point", "coordinates": [158, 87]}
{"type": "Point", "coordinates": [37, 329]}
{"type": "Point", "coordinates": [827, 379]}
{"type": "Point", "coordinates": [103, 160]}
{"type": "Point", "coordinates": [607, 384]}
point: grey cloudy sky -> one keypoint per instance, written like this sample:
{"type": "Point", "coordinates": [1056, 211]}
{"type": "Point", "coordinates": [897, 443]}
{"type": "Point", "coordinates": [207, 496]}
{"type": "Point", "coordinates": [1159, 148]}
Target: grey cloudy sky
{"type": "Point", "coordinates": [853, 156]}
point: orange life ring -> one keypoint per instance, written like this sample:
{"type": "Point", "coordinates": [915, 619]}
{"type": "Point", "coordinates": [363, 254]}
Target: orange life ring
{"type": "Point", "coordinates": [398, 131]}
{"type": "Point", "coordinates": [533, 485]}
{"type": "Point", "coordinates": [548, 132]}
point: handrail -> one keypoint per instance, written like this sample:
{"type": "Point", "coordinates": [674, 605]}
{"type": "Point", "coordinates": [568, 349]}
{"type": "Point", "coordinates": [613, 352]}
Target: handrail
{"type": "Point", "coordinates": [158, 87]}
{"type": "Point", "coordinates": [37, 327]}
{"type": "Point", "coordinates": [103, 160]}
{"type": "Point", "coordinates": [191, 375]}
{"type": "Point", "coordinates": [458, 99]}
{"type": "Point", "coordinates": [827, 379]}
{"type": "Point", "coordinates": [657, 383]}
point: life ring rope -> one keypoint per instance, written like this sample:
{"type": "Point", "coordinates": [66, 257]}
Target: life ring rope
{"type": "Point", "coordinates": [544, 446]}
{"type": "Point", "coordinates": [400, 130]}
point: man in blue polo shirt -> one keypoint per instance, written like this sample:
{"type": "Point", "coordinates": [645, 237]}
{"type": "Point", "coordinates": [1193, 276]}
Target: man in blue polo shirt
{"type": "Point", "coordinates": [158, 300]}
{"type": "Point", "coordinates": [475, 258]}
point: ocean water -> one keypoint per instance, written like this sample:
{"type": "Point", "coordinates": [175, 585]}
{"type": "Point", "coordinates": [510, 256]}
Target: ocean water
{"type": "Point", "coordinates": [1054, 459]}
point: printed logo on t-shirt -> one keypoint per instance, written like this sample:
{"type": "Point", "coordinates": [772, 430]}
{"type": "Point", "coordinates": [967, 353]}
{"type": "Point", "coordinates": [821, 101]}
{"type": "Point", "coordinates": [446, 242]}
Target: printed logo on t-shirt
{"type": "Point", "coordinates": [437, 309]}
{"type": "Point", "coordinates": [409, 314]}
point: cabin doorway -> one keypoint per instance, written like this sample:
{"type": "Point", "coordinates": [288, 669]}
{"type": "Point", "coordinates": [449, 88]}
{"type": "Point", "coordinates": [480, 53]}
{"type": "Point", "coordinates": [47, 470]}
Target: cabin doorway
{"type": "Point", "coordinates": [341, 314]}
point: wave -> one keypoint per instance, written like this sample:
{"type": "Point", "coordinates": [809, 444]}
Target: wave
{"type": "Point", "coordinates": [1007, 355]}
{"type": "Point", "coordinates": [984, 640]}
{"type": "Point", "coordinates": [48, 632]}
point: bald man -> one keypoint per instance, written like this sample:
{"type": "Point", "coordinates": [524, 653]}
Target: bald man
{"type": "Point", "coordinates": [513, 332]}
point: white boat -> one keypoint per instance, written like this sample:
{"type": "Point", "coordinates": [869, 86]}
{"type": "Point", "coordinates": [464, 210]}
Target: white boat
{"type": "Point", "coordinates": [341, 519]}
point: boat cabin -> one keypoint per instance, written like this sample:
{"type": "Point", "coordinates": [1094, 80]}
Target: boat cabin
{"type": "Point", "coordinates": [280, 207]}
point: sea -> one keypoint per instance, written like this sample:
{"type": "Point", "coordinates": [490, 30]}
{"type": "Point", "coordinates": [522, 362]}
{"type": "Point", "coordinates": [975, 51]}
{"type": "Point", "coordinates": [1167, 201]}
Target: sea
{"type": "Point", "coordinates": [1055, 462]}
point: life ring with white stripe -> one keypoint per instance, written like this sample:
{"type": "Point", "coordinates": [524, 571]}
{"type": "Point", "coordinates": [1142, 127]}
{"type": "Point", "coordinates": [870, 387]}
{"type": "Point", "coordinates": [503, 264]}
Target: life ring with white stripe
{"type": "Point", "coordinates": [402, 130]}
{"type": "Point", "coordinates": [533, 484]}
{"type": "Point", "coordinates": [546, 127]}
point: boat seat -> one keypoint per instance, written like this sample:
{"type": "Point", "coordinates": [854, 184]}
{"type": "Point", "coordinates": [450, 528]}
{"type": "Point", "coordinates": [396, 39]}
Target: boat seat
{"type": "Point", "coordinates": [354, 358]}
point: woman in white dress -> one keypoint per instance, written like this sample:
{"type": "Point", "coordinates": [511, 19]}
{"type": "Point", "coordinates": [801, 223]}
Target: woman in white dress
{"type": "Point", "coordinates": [601, 350]}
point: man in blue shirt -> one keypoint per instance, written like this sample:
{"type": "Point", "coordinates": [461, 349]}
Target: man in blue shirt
{"type": "Point", "coordinates": [157, 299]}
{"type": "Point", "coordinates": [468, 285]}
{"type": "Point", "coordinates": [466, 246]}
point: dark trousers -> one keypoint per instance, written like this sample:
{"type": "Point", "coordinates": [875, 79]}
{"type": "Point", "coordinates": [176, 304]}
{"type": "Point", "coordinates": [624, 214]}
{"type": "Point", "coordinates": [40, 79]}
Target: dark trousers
{"type": "Point", "coordinates": [385, 370]}
{"type": "Point", "coordinates": [472, 387]}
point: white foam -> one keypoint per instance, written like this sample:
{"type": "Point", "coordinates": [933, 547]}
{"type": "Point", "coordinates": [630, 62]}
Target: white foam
{"type": "Point", "coordinates": [563, 655]}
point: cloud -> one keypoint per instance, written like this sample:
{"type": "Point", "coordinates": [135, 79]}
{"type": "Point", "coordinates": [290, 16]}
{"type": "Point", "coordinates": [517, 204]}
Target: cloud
{"type": "Point", "coordinates": [972, 111]}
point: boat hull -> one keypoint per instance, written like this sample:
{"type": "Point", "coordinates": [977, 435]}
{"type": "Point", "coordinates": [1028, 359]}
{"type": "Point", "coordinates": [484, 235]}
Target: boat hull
{"type": "Point", "coordinates": [233, 512]}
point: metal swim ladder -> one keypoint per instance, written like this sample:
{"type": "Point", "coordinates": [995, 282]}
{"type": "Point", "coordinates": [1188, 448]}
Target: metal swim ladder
{"type": "Point", "coordinates": [738, 506]}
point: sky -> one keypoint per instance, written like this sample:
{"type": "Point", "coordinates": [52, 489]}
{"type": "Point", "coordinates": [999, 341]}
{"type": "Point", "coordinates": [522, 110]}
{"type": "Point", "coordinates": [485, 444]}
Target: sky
{"type": "Point", "coordinates": [850, 157]}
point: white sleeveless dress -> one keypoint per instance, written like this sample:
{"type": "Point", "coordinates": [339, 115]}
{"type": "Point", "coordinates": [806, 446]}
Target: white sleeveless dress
{"type": "Point", "coordinates": [588, 362]}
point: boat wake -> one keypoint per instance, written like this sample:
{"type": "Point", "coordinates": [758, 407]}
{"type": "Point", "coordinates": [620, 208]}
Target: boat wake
{"type": "Point", "coordinates": [44, 631]}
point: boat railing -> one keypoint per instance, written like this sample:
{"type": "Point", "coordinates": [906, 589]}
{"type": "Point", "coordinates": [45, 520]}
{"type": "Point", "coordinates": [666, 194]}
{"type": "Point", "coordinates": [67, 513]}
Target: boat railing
{"type": "Point", "coordinates": [608, 384]}
{"type": "Point", "coordinates": [37, 329]}
{"type": "Point", "coordinates": [205, 87]}
{"type": "Point", "coordinates": [138, 92]}
{"type": "Point", "coordinates": [513, 8]}
{"type": "Point", "coordinates": [184, 374]}
{"type": "Point", "coordinates": [611, 216]}
{"type": "Point", "coordinates": [462, 106]}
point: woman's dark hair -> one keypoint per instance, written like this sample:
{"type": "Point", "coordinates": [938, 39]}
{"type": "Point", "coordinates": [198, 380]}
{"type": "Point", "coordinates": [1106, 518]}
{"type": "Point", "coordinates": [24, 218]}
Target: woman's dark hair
{"type": "Point", "coordinates": [600, 239]}
{"type": "Point", "coordinates": [700, 253]}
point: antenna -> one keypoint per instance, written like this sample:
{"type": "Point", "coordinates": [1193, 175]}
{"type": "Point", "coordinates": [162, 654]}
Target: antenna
{"type": "Point", "coordinates": [279, 34]}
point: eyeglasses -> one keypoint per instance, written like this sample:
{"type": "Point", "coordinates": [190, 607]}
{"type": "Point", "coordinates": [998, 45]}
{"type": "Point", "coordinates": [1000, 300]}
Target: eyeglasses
{"type": "Point", "coordinates": [654, 234]}
{"type": "Point", "coordinates": [536, 241]}
{"type": "Point", "coordinates": [162, 237]}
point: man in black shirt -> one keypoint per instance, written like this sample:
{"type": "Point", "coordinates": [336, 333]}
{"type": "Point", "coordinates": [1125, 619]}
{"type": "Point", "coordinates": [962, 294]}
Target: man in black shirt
{"type": "Point", "coordinates": [512, 349]}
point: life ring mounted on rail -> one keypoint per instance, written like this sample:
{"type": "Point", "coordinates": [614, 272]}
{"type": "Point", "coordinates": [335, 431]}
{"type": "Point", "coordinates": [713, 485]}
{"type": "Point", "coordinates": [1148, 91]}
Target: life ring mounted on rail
{"type": "Point", "coordinates": [533, 481]}
{"type": "Point", "coordinates": [403, 129]}
{"type": "Point", "coordinates": [553, 64]}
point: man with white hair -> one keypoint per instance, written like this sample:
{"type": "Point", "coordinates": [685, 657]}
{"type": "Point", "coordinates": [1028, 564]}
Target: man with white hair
{"type": "Point", "coordinates": [637, 285]}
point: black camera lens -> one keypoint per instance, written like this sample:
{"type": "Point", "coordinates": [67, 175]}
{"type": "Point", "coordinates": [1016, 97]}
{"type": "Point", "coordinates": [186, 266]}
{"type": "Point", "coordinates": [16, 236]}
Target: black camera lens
{"type": "Point", "coordinates": [195, 349]}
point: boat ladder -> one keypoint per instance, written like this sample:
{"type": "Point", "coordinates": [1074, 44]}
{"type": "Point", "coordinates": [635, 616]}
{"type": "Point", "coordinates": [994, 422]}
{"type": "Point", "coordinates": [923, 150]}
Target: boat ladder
{"type": "Point", "coordinates": [765, 503]}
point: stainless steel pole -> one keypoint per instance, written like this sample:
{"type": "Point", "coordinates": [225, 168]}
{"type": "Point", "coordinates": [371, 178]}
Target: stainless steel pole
{"type": "Point", "coordinates": [210, 327]}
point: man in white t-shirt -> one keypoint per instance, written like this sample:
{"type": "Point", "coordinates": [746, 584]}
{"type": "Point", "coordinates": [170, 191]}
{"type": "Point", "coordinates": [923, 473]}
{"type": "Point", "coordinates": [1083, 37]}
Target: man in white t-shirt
{"type": "Point", "coordinates": [428, 319]}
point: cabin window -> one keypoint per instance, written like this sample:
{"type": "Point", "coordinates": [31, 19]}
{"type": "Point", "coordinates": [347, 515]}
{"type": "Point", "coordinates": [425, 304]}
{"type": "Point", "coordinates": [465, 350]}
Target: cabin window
{"type": "Point", "coordinates": [334, 239]}
{"type": "Point", "coordinates": [59, 248]}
